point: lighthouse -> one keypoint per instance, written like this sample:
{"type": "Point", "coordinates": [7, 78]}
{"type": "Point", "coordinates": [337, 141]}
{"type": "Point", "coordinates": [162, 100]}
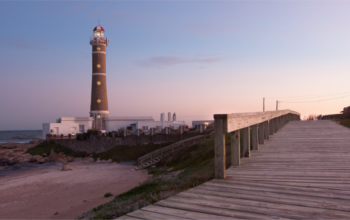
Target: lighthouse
{"type": "Point", "coordinates": [99, 101]}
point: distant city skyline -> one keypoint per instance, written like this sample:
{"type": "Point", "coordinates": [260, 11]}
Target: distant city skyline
{"type": "Point", "coordinates": [194, 58]}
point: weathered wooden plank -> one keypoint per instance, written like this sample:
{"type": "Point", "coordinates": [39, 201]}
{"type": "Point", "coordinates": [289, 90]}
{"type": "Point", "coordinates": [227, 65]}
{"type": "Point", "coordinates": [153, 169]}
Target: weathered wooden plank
{"type": "Point", "coordinates": [276, 196]}
{"type": "Point", "coordinates": [276, 124]}
{"type": "Point", "coordinates": [125, 217]}
{"type": "Point", "coordinates": [183, 213]}
{"type": "Point", "coordinates": [327, 205]}
{"type": "Point", "coordinates": [243, 210]}
{"type": "Point", "coordinates": [220, 151]}
{"type": "Point", "coordinates": [143, 214]}
{"type": "Point", "coordinates": [261, 133]}
{"type": "Point", "coordinates": [266, 130]}
{"type": "Point", "coordinates": [255, 140]}
{"type": "Point", "coordinates": [221, 213]}
{"type": "Point", "coordinates": [235, 148]}
{"type": "Point", "coordinates": [269, 207]}
{"type": "Point", "coordinates": [246, 141]}
{"type": "Point", "coordinates": [272, 123]}
{"type": "Point", "coordinates": [319, 192]}
{"type": "Point", "coordinates": [241, 120]}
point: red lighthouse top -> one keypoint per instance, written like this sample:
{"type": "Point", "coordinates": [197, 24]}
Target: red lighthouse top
{"type": "Point", "coordinates": [98, 27]}
{"type": "Point", "coordinates": [99, 36]}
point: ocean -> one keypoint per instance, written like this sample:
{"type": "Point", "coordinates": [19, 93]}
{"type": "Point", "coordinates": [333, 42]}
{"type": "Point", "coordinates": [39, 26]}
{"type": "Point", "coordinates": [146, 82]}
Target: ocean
{"type": "Point", "coordinates": [19, 136]}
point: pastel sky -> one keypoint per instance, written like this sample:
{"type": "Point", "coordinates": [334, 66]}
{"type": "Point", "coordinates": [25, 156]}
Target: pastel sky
{"type": "Point", "coordinates": [195, 58]}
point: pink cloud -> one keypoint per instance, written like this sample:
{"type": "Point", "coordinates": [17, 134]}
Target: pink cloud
{"type": "Point", "coordinates": [165, 61]}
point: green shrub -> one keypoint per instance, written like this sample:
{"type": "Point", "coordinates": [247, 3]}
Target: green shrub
{"type": "Point", "coordinates": [93, 132]}
{"type": "Point", "coordinates": [47, 146]}
{"type": "Point", "coordinates": [108, 195]}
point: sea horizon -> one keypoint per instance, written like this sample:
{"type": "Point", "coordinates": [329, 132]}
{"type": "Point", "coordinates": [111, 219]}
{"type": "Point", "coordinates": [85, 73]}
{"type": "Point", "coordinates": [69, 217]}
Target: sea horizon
{"type": "Point", "coordinates": [19, 136]}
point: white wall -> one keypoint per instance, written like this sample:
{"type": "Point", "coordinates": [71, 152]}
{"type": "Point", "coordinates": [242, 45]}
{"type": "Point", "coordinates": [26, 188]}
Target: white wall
{"type": "Point", "coordinates": [46, 130]}
{"type": "Point", "coordinates": [63, 128]}
{"type": "Point", "coordinates": [115, 123]}
{"type": "Point", "coordinates": [86, 121]}
{"type": "Point", "coordinates": [154, 124]}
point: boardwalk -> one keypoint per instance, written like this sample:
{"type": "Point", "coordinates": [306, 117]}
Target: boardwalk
{"type": "Point", "coordinates": [302, 172]}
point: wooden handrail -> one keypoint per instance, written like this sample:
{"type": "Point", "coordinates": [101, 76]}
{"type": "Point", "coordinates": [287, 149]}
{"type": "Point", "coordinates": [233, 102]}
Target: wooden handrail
{"type": "Point", "coordinates": [263, 125]}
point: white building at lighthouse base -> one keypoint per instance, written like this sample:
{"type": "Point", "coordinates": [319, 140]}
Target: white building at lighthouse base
{"type": "Point", "coordinates": [75, 125]}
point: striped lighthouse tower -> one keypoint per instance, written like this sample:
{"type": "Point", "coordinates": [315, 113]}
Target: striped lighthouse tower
{"type": "Point", "coordinates": [99, 102]}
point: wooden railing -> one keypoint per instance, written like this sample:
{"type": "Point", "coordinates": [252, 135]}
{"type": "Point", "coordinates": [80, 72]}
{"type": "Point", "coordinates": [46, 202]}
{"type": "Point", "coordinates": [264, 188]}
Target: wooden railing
{"type": "Point", "coordinates": [171, 148]}
{"type": "Point", "coordinates": [263, 124]}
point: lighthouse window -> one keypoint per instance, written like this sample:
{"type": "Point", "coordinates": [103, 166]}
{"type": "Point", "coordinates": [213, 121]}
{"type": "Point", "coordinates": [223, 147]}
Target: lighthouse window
{"type": "Point", "coordinates": [98, 48]}
{"type": "Point", "coordinates": [98, 83]}
{"type": "Point", "coordinates": [98, 100]}
{"type": "Point", "coordinates": [98, 65]}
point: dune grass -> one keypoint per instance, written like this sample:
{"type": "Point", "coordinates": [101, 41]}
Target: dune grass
{"type": "Point", "coordinates": [47, 146]}
{"type": "Point", "coordinates": [345, 122]}
{"type": "Point", "coordinates": [181, 171]}
{"type": "Point", "coordinates": [122, 153]}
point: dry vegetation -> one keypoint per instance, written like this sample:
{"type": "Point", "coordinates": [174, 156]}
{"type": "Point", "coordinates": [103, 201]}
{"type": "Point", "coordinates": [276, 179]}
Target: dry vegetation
{"type": "Point", "coordinates": [310, 117]}
{"type": "Point", "coordinates": [183, 170]}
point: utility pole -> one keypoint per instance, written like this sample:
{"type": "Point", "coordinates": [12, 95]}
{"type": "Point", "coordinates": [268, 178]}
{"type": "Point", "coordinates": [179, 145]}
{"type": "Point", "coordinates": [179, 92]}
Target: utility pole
{"type": "Point", "coordinates": [264, 104]}
{"type": "Point", "coordinates": [276, 105]}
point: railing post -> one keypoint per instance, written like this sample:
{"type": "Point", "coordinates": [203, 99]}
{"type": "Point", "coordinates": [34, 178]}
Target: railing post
{"type": "Point", "coordinates": [220, 152]}
{"type": "Point", "coordinates": [267, 130]}
{"type": "Point", "coordinates": [272, 126]}
{"type": "Point", "coordinates": [275, 125]}
{"type": "Point", "coordinates": [246, 141]}
{"type": "Point", "coordinates": [235, 148]}
{"type": "Point", "coordinates": [255, 139]}
{"type": "Point", "coordinates": [261, 133]}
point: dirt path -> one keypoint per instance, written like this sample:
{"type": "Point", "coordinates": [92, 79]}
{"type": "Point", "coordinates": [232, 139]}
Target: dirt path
{"type": "Point", "coordinates": [39, 192]}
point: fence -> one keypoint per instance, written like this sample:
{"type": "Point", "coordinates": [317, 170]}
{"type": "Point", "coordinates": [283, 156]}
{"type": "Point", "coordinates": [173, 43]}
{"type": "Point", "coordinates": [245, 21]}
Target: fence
{"type": "Point", "coordinates": [263, 124]}
{"type": "Point", "coordinates": [166, 130]}
{"type": "Point", "coordinates": [59, 137]}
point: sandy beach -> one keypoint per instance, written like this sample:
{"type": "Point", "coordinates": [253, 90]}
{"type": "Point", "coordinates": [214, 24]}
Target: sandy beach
{"type": "Point", "coordinates": [43, 191]}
